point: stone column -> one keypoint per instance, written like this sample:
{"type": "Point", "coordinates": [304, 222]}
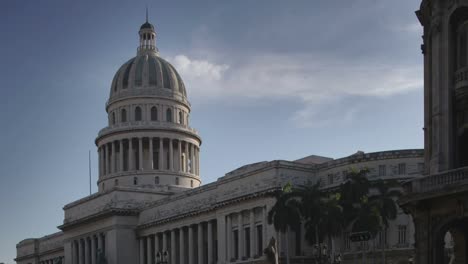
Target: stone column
{"type": "Point", "coordinates": [106, 160]}
{"type": "Point", "coordinates": [121, 154]}
{"type": "Point", "coordinates": [192, 159]}
{"type": "Point", "coordinates": [142, 251]}
{"type": "Point", "coordinates": [93, 250]}
{"type": "Point", "coordinates": [112, 157]}
{"type": "Point", "coordinates": [229, 238]}
{"type": "Point", "coordinates": [200, 243]}
{"type": "Point", "coordinates": [164, 236]}
{"type": "Point", "coordinates": [173, 247]}
{"type": "Point", "coordinates": [140, 153]}
{"type": "Point", "coordinates": [181, 246]}
{"type": "Point", "coordinates": [80, 252]}
{"type": "Point", "coordinates": [221, 234]}
{"type": "Point", "coordinates": [130, 154]}
{"type": "Point", "coordinates": [161, 154]}
{"type": "Point", "coordinates": [151, 153]}
{"type": "Point", "coordinates": [149, 256]}
{"type": "Point", "coordinates": [191, 255]}
{"type": "Point", "coordinates": [171, 155]}
{"type": "Point", "coordinates": [252, 233]}
{"type": "Point", "coordinates": [186, 156]}
{"type": "Point", "coordinates": [86, 251]}
{"type": "Point", "coordinates": [73, 253]}
{"type": "Point", "coordinates": [210, 242]}
{"type": "Point", "coordinates": [156, 244]}
{"type": "Point", "coordinates": [100, 162]}
{"type": "Point", "coordinates": [179, 146]}
{"type": "Point", "coordinates": [240, 244]}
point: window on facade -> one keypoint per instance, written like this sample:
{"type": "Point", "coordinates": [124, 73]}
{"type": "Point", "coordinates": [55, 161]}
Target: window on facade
{"type": "Point", "coordinates": [154, 113]}
{"type": "Point", "coordinates": [235, 238]}
{"type": "Point", "coordinates": [103, 186]}
{"type": "Point", "coordinates": [247, 242]}
{"type": "Point", "coordinates": [191, 183]}
{"type": "Point", "coordinates": [402, 234]}
{"type": "Point", "coordinates": [169, 115]}
{"type": "Point", "coordinates": [177, 180]}
{"type": "Point", "coordinates": [137, 113]}
{"type": "Point", "coordinates": [382, 170]}
{"type": "Point", "coordinates": [135, 180]}
{"type": "Point", "coordinates": [181, 118]}
{"type": "Point", "coordinates": [123, 115]}
{"type": "Point", "coordinates": [330, 178]}
{"type": "Point", "coordinates": [156, 180]}
{"type": "Point", "coordinates": [402, 169]}
{"type": "Point", "coordinates": [259, 240]}
{"type": "Point", "coordinates": [116, 182]}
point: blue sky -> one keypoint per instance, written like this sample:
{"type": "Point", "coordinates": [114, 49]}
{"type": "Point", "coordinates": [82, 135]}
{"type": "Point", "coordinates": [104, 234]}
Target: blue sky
{"type": "Point", "coordinates": [267, 80]}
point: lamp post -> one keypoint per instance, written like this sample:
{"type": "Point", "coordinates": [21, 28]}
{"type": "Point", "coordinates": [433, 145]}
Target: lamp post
{"type": "Point", "coordinates": [162, 258]}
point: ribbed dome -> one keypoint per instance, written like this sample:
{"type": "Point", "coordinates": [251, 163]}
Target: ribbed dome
{"type": "Point", "coordinates": [148, 73]}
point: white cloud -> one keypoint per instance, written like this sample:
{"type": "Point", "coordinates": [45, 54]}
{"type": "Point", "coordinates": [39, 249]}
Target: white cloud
{"type": "Point", "coordinates": [312, 80]}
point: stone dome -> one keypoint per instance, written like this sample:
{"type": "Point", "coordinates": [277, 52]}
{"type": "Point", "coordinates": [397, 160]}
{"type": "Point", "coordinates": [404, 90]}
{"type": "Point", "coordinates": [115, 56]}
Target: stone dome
{"type": "Point", "coordinates": [148, 72]}
{"type": "Point", "coordinates": [147, 25]}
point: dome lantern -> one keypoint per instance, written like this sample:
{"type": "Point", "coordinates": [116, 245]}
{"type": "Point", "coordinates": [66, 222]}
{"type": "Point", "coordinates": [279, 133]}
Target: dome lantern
{"type": "Point", "coordinates": [147, 37]}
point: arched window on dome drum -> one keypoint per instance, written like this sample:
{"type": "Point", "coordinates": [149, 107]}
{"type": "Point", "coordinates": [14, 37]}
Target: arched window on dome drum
{"type": "Point", "coordinates": [156, 180]}
{"type": "Point", "coordinates": [123, 115]}
{"type": "Point", "coordinates": [139, 72]}
{"type": "Point", "coordinates": [154, 113]}
{"type": "Point", "coordinates": [127, 74]}
{"type": "Point", "coordinates": [137, 113]}
{"type": "Point", "coordinates": [113, 118]}
{"type": "Point", "coordinates": [169, 115]}
{"type": "Point", "coordinates": [135, 180]}
{"type": "Point", "coordinates": [181, 118]}
{"type": "Point", "coordinates": [152, 72]}
{"type": "Point", "coordinates": [177, 181]}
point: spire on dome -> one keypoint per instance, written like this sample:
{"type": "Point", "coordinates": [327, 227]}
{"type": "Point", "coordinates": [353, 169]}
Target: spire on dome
{"type": "Point", "coordinates": [146, 13]}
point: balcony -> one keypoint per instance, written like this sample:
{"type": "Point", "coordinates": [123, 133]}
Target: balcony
{"type": "Point", "coordinates": [147, 125]}
{"type": "Point", "coordinates": [441, 181]}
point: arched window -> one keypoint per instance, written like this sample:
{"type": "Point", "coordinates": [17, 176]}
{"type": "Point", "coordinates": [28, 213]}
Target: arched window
{"type": "Point", "coordinates": [181, 118]}
{"type": "Point", "coordinates": [191, 183]}
{"type": "Point", "coordinates": [137, 113]}
{"type": "Point", "coordinates": [156, 180]}
{"type": "Point", "coordinates": [116, 182]}
{"type": "Point", "coordinates": [135, 180]}
{"type": "Point", "coordinates": [177, 180]}
{"type": "Point", "coordinates": [154, 113]}
{"type": "Point", "coordinates": [113, 118]}
{"type": "Point", "coordinates": [103, 186]}
{"type": "Point", "coordinates": [169, 115]}
{"type": "Point", "coordinates": [123, 115]}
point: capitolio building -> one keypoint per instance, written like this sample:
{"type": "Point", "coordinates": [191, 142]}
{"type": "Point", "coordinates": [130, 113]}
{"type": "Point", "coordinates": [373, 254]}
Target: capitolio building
{"type": "Point", "coordinates": [151, 205]}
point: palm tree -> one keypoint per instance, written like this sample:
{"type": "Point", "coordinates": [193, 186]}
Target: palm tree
{"type": "Point", "coordinates": [285, 214]}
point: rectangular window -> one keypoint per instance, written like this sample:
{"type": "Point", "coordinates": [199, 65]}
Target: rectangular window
{"type": "Point", "coordinates": [247, 241]}
{"type": "Point", "coordinates": [402, 169]}
{"type": "Point", "coordinates": [330, 178]}
{"type": "Point", "coordinates": [382, 170]}
{"type": "Point", "coordinates": [402, 234]}
{"type": "Point", "coordinates": [235, 238]}
{"type": "Point", "coordinates": [259, 240]}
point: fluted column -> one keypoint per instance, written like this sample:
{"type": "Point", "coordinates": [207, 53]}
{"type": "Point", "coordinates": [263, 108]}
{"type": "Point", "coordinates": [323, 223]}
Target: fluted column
{"type": "Point", "coordinates": [121, 156]}
{"type": "Point", "coordinates": [200, 243]}
{"type": "Point", "coordinates": [100, 162]}
{"type": "Point", "coordinates": [181, 246]}
{"type": "Point", "coordinates": [149, 256]}
{"type": "Point", "coordinates": [161, 153]}
{"type": "Point", "coordinates": [171, 155]}
{"type": "Point", "coordinates": [191, 254]}
{"type": "Point", "coordinates": [93, 250]}
{"type": "Point", "coordinates": [142, 251]}
{"type": "Point", "coordinates": [229, 243]}
{"type": "Point", "coordinates": [192, 160]}
{"type": "Point", "coordinates": [195, 160]}
{"type": "Point", "coordinates": [252, 233]}
{"type": "Point", "coordinates": [179, 147]}
{"type": "Point", "coordinates": [210, 242]}
{"type": "Point", "coordinates": [86, 251]}
{"type": "Point", "coordinates": [140, 153]}
{"type": "Point", "coordinates": [173, 247]}
{"type": "Point", "coordinates": [130, 154]}
{"type": "Point", "coordinates": [151, 153]}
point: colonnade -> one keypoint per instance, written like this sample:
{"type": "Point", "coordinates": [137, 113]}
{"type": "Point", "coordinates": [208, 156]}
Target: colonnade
{"type": "Point", "coordinates": [237, 236]}
{"type": "Point", "coordinates": [147, 154]}
{"type": "Point", "coordinates": [51, 261]}
{"type": "Point", "coordinates": [85, 250]}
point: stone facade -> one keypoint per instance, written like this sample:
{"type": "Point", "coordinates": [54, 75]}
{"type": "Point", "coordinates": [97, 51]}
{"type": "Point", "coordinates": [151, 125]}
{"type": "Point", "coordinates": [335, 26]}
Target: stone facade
{"type": "Point", "coordinates": [150, 200]}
